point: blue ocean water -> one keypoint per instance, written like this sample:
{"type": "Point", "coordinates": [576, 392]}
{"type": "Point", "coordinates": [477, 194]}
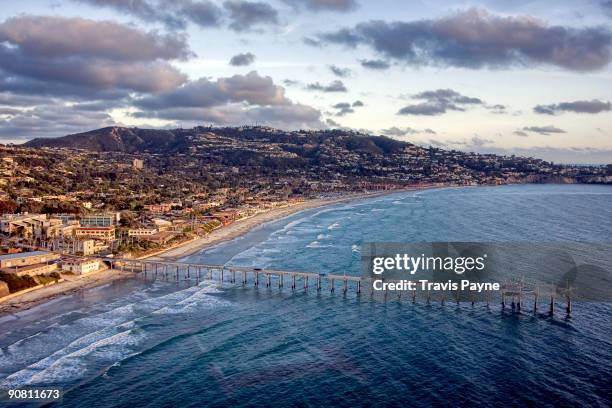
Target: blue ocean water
{"type": "Point", "coordinates": [161, 344]}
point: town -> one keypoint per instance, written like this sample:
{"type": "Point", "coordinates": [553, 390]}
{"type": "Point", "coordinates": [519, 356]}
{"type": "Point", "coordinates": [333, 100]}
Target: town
{"type": "Point", "coordinates": [66, 203]}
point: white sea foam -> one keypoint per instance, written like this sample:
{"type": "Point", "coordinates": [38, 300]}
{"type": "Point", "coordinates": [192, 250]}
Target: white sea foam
{"type": "Point", "coordinates": [333, 226]}
{"type": "Point", "coordinates": [66, 340]}
{"type": "Point", "coordinates": [74, 365]}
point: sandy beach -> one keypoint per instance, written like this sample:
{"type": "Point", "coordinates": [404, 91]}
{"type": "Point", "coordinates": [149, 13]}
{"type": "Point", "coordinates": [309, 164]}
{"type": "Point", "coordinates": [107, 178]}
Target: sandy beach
{"type": "Point", "coordinates": [73, 285]}
{"type": "Point", "coordinates": [70, 286]}
{"type": "Point", "coordinates": [243, 226]}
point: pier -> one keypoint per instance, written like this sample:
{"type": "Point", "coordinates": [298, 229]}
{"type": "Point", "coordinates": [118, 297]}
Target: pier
{"type": "Point", "coordinates": [517, 296]}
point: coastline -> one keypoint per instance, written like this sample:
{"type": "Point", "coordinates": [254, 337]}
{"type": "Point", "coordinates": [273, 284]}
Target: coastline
{"type": "Point", "coordinates": [245, 225]}
{"type": "Point", "coordinates": [31, 299]}
{"type": "Point", "coordinates": [36, 297]}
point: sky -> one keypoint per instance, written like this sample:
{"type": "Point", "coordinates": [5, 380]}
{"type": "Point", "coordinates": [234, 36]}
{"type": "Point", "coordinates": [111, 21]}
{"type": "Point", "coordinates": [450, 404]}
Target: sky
{"type": "Point", "coordinates": [518, 77]}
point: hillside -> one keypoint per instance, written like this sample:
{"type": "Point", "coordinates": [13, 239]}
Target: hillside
{"type": "Point", "coordinates": [114, 139]}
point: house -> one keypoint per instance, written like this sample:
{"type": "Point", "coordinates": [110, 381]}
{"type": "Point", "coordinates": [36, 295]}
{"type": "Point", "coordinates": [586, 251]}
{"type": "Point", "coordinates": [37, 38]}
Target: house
{"type": "Point", "coordinates": [81, 266]}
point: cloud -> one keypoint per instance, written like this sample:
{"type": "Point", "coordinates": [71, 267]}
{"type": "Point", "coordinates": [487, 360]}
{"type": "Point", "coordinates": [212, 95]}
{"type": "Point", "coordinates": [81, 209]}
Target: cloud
{"type": "Point", "coordinates": [244, 15]}
{"type": "Point", "coordinates": [291, 116]}
{"type": "Point", "coordinates": [63, 37]}
{"type": "Point", "coordinates": [323, 5]}
{"type": "Point", "coordinates": [50, 121]}
{"type": "Point", "coordinates": [344, 108]}
{"type": "Point", "coordinates": [340, 72]}
{"type": "Point", "coordinates": [439, 102]}
{"type": "Point", "coordinates": [593, 106]}
{"type": "Point", "coordinates": [76, 52]}
{"type": "Point", "coordinates": [234, 100]}
{"type": "Point", "coordinates": [175, 14]}
{"type": "Point", "coordinates": [607, 7]}
{"type": "Point", "coordinates": [520, 133]}
{"type": "Point", "coordinates": [498, 109]}
{"type": "Point", "coordinates": [250, 88]}
{"type": "Point", "coordinates": [312, 42]}
{"type": "Point", "coordinates": [240, 60]}
{"type": "Point", "coordinates": [405, 131]}
{"type": "Point", "coordinates": [292, 82]}
{"type": "Point", "coordinates": [375, 64]}
{"type": "Point", "coordinates": [334, 86]}
{"type": "Point", "coordinates": [332, 123]}
{"type": "Point", "coordinates": [543, 130]}
{"type": "Point", "coordinates": [477, 39]}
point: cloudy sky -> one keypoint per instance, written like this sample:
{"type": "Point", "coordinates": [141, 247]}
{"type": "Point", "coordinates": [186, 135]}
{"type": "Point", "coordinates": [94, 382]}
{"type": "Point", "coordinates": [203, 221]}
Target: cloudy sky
{"type": "Point", "coordinates": [522, 76]}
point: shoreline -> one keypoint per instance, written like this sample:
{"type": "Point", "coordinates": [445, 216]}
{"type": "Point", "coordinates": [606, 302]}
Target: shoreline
{"type": "Point", "coordinates": [243, 226]}
{"type": "Point", "coordinates": [28, 300]}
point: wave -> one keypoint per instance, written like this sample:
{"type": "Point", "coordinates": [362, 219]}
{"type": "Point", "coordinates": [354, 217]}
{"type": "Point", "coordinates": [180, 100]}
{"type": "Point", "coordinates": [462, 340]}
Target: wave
{"type": "Point", "coordinates": [83, 336]}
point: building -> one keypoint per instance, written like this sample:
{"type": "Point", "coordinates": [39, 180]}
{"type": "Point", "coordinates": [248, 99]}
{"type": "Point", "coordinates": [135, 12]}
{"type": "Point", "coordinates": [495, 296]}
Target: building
{"type": "Point", "coordinates": [103, 233]}
{"type": "Point", "coordinates": [226, 217]}
{"type": "Point", "coordinates": [158, 208]}
{"type": "Point", "coordinates": [100, 220]}
{"type": "Point", "coordinates": [23, 225]}
{"type": "Point", "coordinates": [86, 247]}
{"type": "Point", "coordinates": [138, 164]}
{"type": "Point", "coordinates": [32, 270]}
{"type": "Point", "coordinates": [81, 266]}
{"type": "Point", "coordinates": [141, 232]}
{"type": "Point", "coordinates": [27, 258]}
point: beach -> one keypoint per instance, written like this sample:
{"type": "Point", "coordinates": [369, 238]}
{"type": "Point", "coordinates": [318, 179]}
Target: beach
{"type": "Point", "coordinates": [69, 287]}
{"type": "Point", "coordinates": [243, 226]}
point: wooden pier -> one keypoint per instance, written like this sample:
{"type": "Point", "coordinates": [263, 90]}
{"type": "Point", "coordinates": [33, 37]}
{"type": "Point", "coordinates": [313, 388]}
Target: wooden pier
{"type": "Point", "coordinates": [517, 296]}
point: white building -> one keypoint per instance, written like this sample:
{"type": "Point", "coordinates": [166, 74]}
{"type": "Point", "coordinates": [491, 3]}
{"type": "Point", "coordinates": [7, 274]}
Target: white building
{"type": "Point", "coordinates": [81, 266]}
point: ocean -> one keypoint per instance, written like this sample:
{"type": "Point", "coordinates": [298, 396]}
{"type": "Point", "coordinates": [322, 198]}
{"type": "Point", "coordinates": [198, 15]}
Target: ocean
{"type": "Point", "coordinates": [160, 344]}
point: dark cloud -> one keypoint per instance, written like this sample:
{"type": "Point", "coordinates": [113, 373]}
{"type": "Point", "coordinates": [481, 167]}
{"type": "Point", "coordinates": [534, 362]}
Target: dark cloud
{"type": "Point", "coordinates": [233, 100]}
{"type": "Point", "coordinates": [344, 108]}
{"type": "Point", "coordinates": [312, 42]}
{"type": "Point", "coordinates": [240, 60]}
{"type": "Point", "coordinates": [332, 123]}
{"type": "Point", "coordinates": [340, 72]}
{"type": "Point", "coordinates": [173, 14]}
{"type": "Point", "coordinates": [323, 5]}
{"type": "Point", "coordinates": [291, 116]}
{"type": "Point", "coordinates": [64, 37]}
{"type": "Point", "coordinates": [334, 86]}
{"type": "Point", "coordinates": [51, 121]}
{"type": "Point", "coordinates": [405, 131]}
{"type": "Point", "coordinates": [593, 106]}
{"type": "Point", "coordinates": [498, 109]}
{"type": "Point", "coordinates": [476, 39]}
{"type": "Point", "coordinates": [439, 102]}
{"type": "Point", "coordinates": [607, 7]}
{"type": "Point", "coordinates": [292, 82]}
{"type": "Point", "coordinates": [520, 133]}
{"type": "Point", "coordinates": [543, 130]}
{"type": "Point", "coordinates": [244, 15]}
{"type": "Point", "coordinates": [250, 88]}
{"type": "Point", "coordinates": [375, 64]}
{"type": "Point", "coordinates": [68, 54]}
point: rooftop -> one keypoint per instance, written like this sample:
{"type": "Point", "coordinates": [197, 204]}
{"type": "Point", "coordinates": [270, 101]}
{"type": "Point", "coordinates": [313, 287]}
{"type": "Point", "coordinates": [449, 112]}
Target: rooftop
{"type": "Point", "coordinates": [24, 255]}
